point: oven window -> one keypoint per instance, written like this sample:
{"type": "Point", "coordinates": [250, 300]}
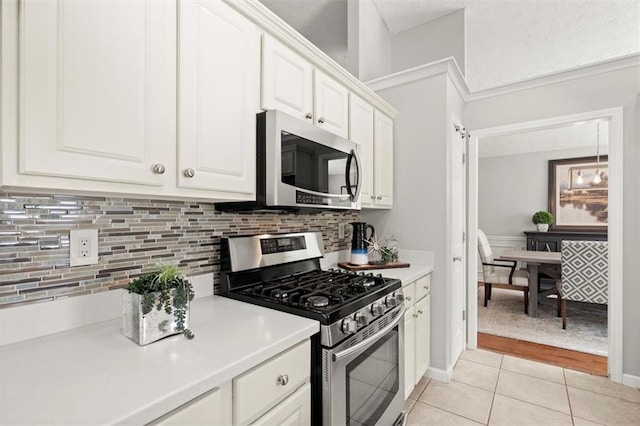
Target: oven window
{"type": "Point", "coordinates": [310, 165]}
{"type": "Point", "coordinates": [373, 381]}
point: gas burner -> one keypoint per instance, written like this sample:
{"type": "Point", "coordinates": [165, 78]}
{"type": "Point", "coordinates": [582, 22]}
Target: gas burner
{"type": "Point", "coordinates": [318, 301]}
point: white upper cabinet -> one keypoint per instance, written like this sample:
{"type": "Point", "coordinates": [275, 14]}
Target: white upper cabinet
{"type": "Point", "coordinates": [383, 154]}
{"type": "Point", "coordinates": [331, 104]}
{"type": "Point", "coordinates": [290, 84]}
{"type": "Point", "coordinates": [97, 90]}
{"type": "Point", "coordinates": [361, 132]}
{"type": "Point", "coordinates": [219, 96]}
{"type": "Point", "coordinates": [287, 80]}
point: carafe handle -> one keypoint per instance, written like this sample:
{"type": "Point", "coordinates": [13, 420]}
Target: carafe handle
{"type": "Point", "coordinates": [373, 232]}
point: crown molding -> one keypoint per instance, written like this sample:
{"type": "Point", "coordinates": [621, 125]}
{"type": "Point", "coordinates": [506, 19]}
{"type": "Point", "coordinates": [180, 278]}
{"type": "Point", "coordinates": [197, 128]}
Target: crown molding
{"type": "Point", "coordinates": [276, 27]}
{"type": "Point", "coordinates": [449, 66]}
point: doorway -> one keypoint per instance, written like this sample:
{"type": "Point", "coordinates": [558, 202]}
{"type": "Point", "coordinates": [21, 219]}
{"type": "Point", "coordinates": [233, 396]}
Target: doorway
{"type": "Point", "coordinates": [614, 321]}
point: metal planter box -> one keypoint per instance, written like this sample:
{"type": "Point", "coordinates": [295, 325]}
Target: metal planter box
{"type": "Point", "coordinates": [154, 325]}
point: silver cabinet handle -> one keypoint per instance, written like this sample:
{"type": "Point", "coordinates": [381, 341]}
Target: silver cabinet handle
{"type": "Point", "coordinates": [425, 287]}
{"type": "Point", "coordinates": [373, 197]}
{"type": "Point", "coordinates": [420, 311]}
{"type": "Point", "coordinates": [308, 116]}
{"type": "Point", "coordinates": [379, 197]}
{"type": "Point", "coordinates": [415, 315]}
{"type": "Point", "coordinates": [408, 298]}
{"type": "Point", "coordinates": [283, 379]}
{"type": "Point", "coordinates": [189, 173]}
{"type": "Point", "coordinates": [457, 259]}
{"type": "Point", "coordinates": [321, 120]}
{"type": "Point", "coordinates": [158, 169]}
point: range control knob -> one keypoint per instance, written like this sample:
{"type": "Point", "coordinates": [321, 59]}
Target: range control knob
{"type": "Point", "coordinates": [399, 296]}
{"type": "Point", "coordinates": [377, 309]}
{"type": "Point", "coordinates": [349, 326]}
{"type": "Point", "coordinates": [362, 319]}
{"type": "Point", "coordinates": [391, 301]}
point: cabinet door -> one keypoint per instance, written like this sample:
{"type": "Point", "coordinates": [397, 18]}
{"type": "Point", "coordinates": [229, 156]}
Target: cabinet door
{"type": "Point", "coordinates": [293, 411]}
{"type": "Point", "coordinates": [212, 408]}
{"type": "Point", "coordinates": [331, 104]}
{"type": "Point", "coordinates": [286, 80]}
{"type": "Point", "coordinates": [423, 336]}
{"type": "Point", "coordinates": [219, 98]}
{"type": "Point", "coordinates": [409, 351]}
{"type": "Point", "coordinates": [383, 155]}
{"type": "Point", "coordinates": [361, 132]}
{"type": "Point", "coordinates": [97, 90]}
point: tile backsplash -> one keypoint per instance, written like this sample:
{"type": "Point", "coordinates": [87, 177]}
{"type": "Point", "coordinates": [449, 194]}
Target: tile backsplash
{"type": "Point", "coordinates": [133, 235]}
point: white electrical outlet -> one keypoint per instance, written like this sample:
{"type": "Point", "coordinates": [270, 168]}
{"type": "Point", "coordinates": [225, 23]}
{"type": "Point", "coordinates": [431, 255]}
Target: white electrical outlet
{"type": "Point", "coordinates": [341, 230]}
{"type": "Point", "coordinates": [83, 247]}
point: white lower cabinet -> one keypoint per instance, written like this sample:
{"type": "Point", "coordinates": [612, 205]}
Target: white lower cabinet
{"type": "Point", "coordinates": [293, 411]}
{"type": "Point", "coordinates": [276, 392]}
{"type": "Point", "coordinates": [417, 331]}
{"type": "Point", "coordinates": [212, 408]}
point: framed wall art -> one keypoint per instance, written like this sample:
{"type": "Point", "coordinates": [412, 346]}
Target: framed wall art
{"type": "Point", "coordinates": [579, 193]}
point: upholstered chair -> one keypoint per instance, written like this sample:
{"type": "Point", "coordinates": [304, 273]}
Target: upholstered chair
{"type": "Point", "coordinates": [496, 271]}
{"type": "Point", "coordinates": [585, 273]}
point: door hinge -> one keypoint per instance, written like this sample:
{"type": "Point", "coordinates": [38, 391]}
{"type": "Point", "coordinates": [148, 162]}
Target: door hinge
{"type": "Point", "coordinates": [464, 237]}
{"type": "Point", "coordinates": [464, 158]}
{"type": "Point", "coordinates": [464, 315]}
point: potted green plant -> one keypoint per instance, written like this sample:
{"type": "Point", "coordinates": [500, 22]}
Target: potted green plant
{"type": "Point", "coordinates": [156, 305]}
{"type": "Point", "coordinates": [542, 220]}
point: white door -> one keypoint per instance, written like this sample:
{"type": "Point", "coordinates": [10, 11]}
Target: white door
{"type": "Point", "coordinates": [458, 248]}
{"type": "Point", "coordinates": [361, 132]}
{"type": "Point", "coordinates": [330, 104]}
{"type": "Point", "coordinates": [287, 80]}
{"type": "Point", "coordinates": [97, 90]}
{"type": "Point", "coordinates": [219, 98]}
{"type": "Point", "coordinates": [383, 157]}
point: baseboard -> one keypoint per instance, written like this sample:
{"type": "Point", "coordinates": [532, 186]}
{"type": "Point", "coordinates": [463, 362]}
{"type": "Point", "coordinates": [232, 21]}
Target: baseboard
{"type": "Point", "coordinates": [629, 380]}
{"type": "Point", "coordinates": [440, 375]}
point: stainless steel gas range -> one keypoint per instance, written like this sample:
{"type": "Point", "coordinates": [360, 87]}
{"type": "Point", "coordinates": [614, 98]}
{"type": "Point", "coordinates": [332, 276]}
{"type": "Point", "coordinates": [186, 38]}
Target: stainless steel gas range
{"type": "Point", "coordinates": [357, 358]}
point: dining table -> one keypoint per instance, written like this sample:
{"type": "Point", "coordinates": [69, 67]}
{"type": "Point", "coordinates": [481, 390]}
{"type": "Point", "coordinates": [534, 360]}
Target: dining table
{"type": "Point", "coordinates": [535, 261]}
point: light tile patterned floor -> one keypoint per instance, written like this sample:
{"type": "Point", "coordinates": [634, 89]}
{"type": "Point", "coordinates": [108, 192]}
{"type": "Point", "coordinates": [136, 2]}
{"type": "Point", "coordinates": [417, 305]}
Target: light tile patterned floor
{"type": "Point", "coordinates": [492, 389]}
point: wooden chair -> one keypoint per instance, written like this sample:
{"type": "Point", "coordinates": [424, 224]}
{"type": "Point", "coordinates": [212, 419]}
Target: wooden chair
{"type": "Point", "coordinates": [497, 271]}
{"type": "Point", "coordinates": [585, 273]}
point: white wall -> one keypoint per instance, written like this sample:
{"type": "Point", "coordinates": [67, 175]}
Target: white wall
{"type": "Point", "coordinates": [374, 42]}
{"type": "Point", "coordinates": [434, 40]}
{"type": "Point", "coordinates": [605, 90]}
{"type": "Point", "coordinates": [419, 219]}
{"type": "Point", "coordinates": [511, 188]}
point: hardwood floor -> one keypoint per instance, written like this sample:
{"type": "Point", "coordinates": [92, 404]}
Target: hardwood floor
{"type": "Point", "coordinates": [565, 358]}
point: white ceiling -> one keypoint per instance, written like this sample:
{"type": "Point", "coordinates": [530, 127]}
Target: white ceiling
{"type": "Point", "coordinates": [577, 135]}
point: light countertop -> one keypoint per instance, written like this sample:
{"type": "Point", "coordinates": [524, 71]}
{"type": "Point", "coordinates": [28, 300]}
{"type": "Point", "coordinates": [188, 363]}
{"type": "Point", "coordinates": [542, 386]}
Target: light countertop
{"type": "Point", "coordinates": [95, 375]}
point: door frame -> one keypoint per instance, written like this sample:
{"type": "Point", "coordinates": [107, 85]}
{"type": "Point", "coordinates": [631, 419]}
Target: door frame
{"type": "Point", "coordinates": [615, 232]}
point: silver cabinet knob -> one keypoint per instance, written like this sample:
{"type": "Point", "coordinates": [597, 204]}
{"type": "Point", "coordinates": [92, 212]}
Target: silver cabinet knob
{"type": "Point", "coordinates": [408, 298]}
{"type": "Point", "coordinates": [362, 318]}
{"type": "Point", "coordinates": [379, 197]}
{"type": "Point", "coordinates": [349, 326]}
{"type": "Point", "coordinates": [373, 197]}
{"type": "Point", "coordinates": [283, 379]}
{"type": "Point", "coordinates": [420, 311]}
{"type": "Point", "coordinates": [457, 259]}
{"type": "Point", "coordinates": [189, 173]}
{"type": "Point", "coordinates": [158, 169]}
{"type": "Point", "coordinates": [415, 315]}
{"type": "Point", "coordinates": [308, 116]}
{"type": "Point", "coordinates": [425, 287]}
{"type": "Point", "coordinates": [377, 309]}
{"type": "Point", "coordinates": [321, 120]}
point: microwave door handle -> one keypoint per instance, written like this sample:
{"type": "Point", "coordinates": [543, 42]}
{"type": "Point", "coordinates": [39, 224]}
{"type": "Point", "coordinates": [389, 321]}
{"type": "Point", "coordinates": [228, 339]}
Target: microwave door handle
{"type": "Point", "coordinates": [354, 156]}
{"type": "Point", "coordinates": [371, 339]}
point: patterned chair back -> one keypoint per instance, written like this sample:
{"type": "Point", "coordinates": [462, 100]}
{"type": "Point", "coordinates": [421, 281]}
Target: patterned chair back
{"type": "Point", "coordinates": [585, 271]}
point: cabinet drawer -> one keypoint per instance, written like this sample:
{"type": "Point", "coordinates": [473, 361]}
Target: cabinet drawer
{"type": "Point", "coordinates": [260, 388]}
{"type": "Point", "coordinates": [293, 411]}
{"type": "Point", "coordinates": [423, 287]}
{"type": "Point", "coordinates": [212, 408]}
{"type": "Point", "coordinates": [409, 291]}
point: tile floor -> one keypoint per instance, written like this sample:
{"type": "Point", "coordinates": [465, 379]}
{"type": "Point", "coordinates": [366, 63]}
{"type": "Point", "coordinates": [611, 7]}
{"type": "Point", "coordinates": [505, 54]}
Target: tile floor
{"type": "Point", "coordinates": [492, 389]}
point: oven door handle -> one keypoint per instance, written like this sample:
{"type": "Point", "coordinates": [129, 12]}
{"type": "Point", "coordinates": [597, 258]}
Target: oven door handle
{"type": "Point", "coordinates": [368, 341]}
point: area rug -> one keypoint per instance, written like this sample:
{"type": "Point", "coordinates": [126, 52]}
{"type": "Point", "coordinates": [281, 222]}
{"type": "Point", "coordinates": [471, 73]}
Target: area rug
{"type": "Point", "coordinates": [504, 316]}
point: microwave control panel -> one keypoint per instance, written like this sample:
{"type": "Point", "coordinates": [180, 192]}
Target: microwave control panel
{"type": "Point", "coordinates": [317, 200]}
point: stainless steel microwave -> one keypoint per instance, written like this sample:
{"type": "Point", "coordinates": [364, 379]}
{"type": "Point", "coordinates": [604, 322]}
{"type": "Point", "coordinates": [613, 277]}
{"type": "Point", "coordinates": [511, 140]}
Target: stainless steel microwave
{"type": "Point", "coordinates": [301, 166]}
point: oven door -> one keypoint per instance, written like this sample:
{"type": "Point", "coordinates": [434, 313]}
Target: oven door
{"type": "Point", "coordinates": [363, 377]}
